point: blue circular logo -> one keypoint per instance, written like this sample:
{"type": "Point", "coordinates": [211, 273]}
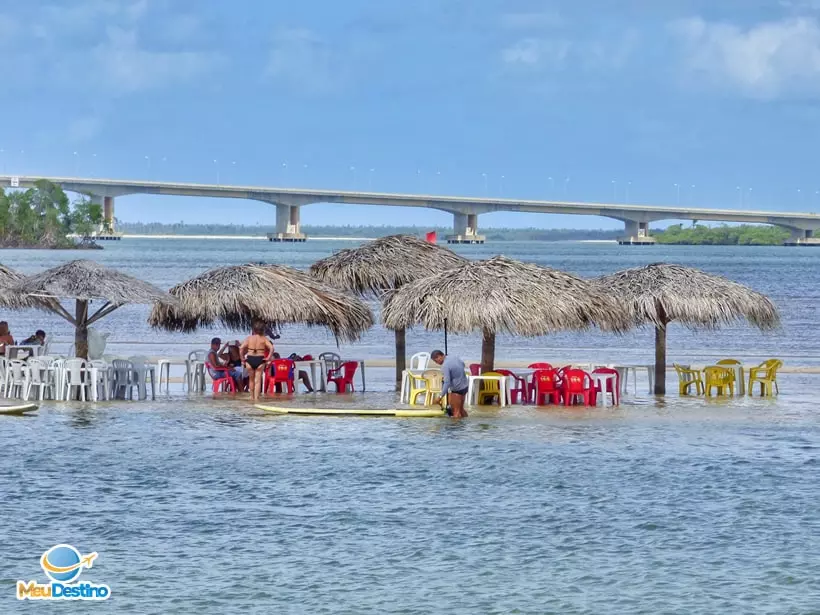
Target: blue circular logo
{"type": "Point", "coordinates": [62, 563]}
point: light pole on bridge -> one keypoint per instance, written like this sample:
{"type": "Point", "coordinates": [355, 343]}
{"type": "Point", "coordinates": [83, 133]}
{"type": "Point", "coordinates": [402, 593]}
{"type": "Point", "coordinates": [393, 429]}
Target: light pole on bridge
{"type": "Point", "coordinates": [677, 188]}
{"type": "Point", "coordinates": [370, 180]}
{"type": "Point", "coordinates": [486, 185]}
{"type": "Point", "coordinates": [216, 164]}
{"type": "Point", "coordinates": [148, 161]}
{"type": "Point", "coordinates": [566, 187]}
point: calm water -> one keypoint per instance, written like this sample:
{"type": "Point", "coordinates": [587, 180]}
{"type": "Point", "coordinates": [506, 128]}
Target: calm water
{"type": "Point", "coordinates": [209, 506]}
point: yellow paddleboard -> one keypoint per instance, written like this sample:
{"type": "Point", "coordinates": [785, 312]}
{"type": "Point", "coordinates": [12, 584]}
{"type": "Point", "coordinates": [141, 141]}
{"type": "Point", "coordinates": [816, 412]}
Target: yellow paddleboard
{"type": "Point", "coordinates": [18, 409]}
{"type": "Point", "coordinates": [426, 413]}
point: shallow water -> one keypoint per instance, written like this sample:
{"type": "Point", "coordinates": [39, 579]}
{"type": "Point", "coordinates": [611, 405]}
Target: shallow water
{"type": "Point", "coordinates": [683, 506]}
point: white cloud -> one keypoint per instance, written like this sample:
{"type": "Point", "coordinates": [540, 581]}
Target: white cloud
{"type": "Point", "coordinates": [534, 52]}
{"type": "Point", "coordinates": [551, 53]}
{"type": "Point", "coordinates": [125, 66]}
{"type": "Point", "coordinates": [766, 61]}
{"type": "Point", "coordinates": [299, 57]}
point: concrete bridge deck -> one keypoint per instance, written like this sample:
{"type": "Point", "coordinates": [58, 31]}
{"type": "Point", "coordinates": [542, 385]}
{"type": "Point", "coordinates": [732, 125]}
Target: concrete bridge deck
{"type": "Point", "coordinates": [636, 218]}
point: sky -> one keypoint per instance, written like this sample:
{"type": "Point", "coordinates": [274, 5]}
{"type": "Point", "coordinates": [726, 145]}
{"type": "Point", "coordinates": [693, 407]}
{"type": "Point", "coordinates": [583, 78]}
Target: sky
{"type": "Point", "coordinates": [703, 102]}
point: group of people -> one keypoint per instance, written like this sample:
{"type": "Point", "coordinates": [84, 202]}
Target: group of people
{"type": "Point", "coordinates": [7, 339]}
{"type": "Point", "coordinates": [246, 362]}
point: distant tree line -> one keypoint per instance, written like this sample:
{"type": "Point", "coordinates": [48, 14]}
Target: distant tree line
{"type": "Point", "coordinates": [42, 217]}
{"type": "Point", "coordinates": [743, 235]}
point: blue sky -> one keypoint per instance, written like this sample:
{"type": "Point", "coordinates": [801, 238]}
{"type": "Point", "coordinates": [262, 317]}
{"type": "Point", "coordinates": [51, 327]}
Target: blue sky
{"type": "Point", "coordinates": [429, 94]}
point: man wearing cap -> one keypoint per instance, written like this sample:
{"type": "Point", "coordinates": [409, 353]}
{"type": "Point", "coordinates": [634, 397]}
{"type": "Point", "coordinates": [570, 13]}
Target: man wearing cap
{"type": "Point", "coordinates": [219, 363]}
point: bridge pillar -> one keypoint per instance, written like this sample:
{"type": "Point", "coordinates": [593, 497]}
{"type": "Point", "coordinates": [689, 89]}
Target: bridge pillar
{"type": "Point", "coordinates": [465, 229]}
{"type": "Point", "coordinates": [106, 230]}
{"type": "Point", "coordinates": [288, 227]}
{"type": "Point", "coordinates": [636, 234]}
{"type": "Point", "coordinates": [802, 237]}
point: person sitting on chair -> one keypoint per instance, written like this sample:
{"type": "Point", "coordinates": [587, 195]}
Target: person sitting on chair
{"type": "Point", "coordinates": [38, 339]}
{"type": "Point", "coordinates": [218, 359]}
{"type": "Point", "coordinates": [5, 337]}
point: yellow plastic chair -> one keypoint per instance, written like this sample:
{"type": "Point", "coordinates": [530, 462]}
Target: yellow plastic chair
{"type": "Point", "coordinates": [720, 378]}
{"type": "Point", "coordinates": [435, 382]}
{"type": "Point", "coordinates": [687, 378]}
{"type": "Point", "coordinates": [734, 362]}
{"type": "Point", "coordinates": [418, 386]}
{"type": "Point", "coordinates": [489, 389]}
{"type": "Point", "coordinates": [765, 374]}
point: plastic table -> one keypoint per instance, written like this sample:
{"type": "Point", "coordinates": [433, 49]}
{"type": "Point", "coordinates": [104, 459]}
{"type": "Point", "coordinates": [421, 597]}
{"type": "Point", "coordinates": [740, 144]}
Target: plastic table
{"type": "Point", "coordinates": [472, 390]}
{"type": "Point", "coordinates": [319, 382]}
{"type": "Point", "coordinates": [601, 380]}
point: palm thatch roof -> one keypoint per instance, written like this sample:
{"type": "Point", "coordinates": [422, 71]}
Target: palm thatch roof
{"type": "Point", "coordinates": [502, 295]}
{"type": "Point", "coordinates": [661, 293]}
{"type": "Point", "coordinates": [384, 264]}
{"type": "Point", "coordinates": [86, 280]}
{"type": "Point", "coordinates": [9, 298]}
{"type": "Point", "coordinates": [238, 295]}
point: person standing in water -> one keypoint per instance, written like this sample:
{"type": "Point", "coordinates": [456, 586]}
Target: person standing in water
{"type": "Point", "coordinates": [255, 351]}
{"type": "Point", "coordinates": [455, 381]}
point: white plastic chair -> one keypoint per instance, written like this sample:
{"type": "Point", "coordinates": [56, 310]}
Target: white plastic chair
{"type": "Point", "coordinates": [195, 370]}
{"type": "Point", "coordinates": [3, 368]}
{"type": "Point", "coordinates": [140, 364]}
{"type": "Point", "coordinates": [16, 378]}
{"type": "Point", "coordinates": [332, 360]}
{"type": "Point", "coordinates": [74, 377]}
{"type": "Point", "coordinates": [103, 381]}
{"type": "Point", "coordinates": [58, 372]}
{"type": "Point", "coordinates": [419, 360]}
{"type": "Point", "coordinates": [123, 379]}
{"type": "Point", "coordinates": [39, 378]}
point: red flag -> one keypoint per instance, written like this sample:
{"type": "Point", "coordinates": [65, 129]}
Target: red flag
{"type": "Point", "coordinates": [431, 237]}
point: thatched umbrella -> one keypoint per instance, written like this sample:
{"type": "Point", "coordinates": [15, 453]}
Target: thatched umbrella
{"type": "Point", "coordinates": [384, 265]}
{"type": "Point", "coordinates": [14, 300]}
{"type": "Point", "coordinates": [501, 295]}
{"type": "Point", "coordinates": [661, 293]}
{"type": "Point", "coordinates": [238, 295]}
{"type": "Point", "coordinates": [86, 281]}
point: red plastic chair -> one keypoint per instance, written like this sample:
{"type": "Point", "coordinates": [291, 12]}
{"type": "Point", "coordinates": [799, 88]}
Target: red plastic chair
{"type": "Point", "coordinates": [343, 376]}
{"type": "Point", "coordinates": [546, 387]}
{"type": "Point", "coordinates": [281, 372]}
{"type": "Point", "coordinates": [521, 388]}
{"type": "Point", "coordinates": [475, 369]}
{"type": "Point", "coordinates": [616, 392]}
{"type": "Point", "coordinates": [224, 382]}
{"type": "Point", "coordinates": [576, 383]}
{"type": "Point", "coordinates": [531, 389]}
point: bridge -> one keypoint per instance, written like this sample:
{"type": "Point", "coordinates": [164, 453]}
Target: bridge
{"type": "Point", "coordinates": [465, 210]}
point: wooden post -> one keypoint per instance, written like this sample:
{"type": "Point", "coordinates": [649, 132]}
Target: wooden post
{"type": "Point", "coordinates": [488, 352]}
{"type": "Point", "coordinates": [401, 355]}
{"type": "Point", "coordinates": [81, 330]}
{"type": "Point", "coordinates": [660, 360]}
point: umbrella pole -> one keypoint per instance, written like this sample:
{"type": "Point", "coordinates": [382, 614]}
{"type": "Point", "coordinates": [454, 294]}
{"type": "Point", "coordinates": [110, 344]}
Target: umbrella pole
{"type": "Point", "coordinates": [488, 352]}
{"type": "Point", "coordinates": [81, 329]}
{"type": "Point", "coordinates": [660, 360]}
{"type": "Point", "coordinates": [401, 355]}
{"type": "Point", "coordinates": [445, 336]}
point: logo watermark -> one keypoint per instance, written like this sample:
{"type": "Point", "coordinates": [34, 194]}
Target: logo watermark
{"type": "Point", "coordinates": [63, 565]}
